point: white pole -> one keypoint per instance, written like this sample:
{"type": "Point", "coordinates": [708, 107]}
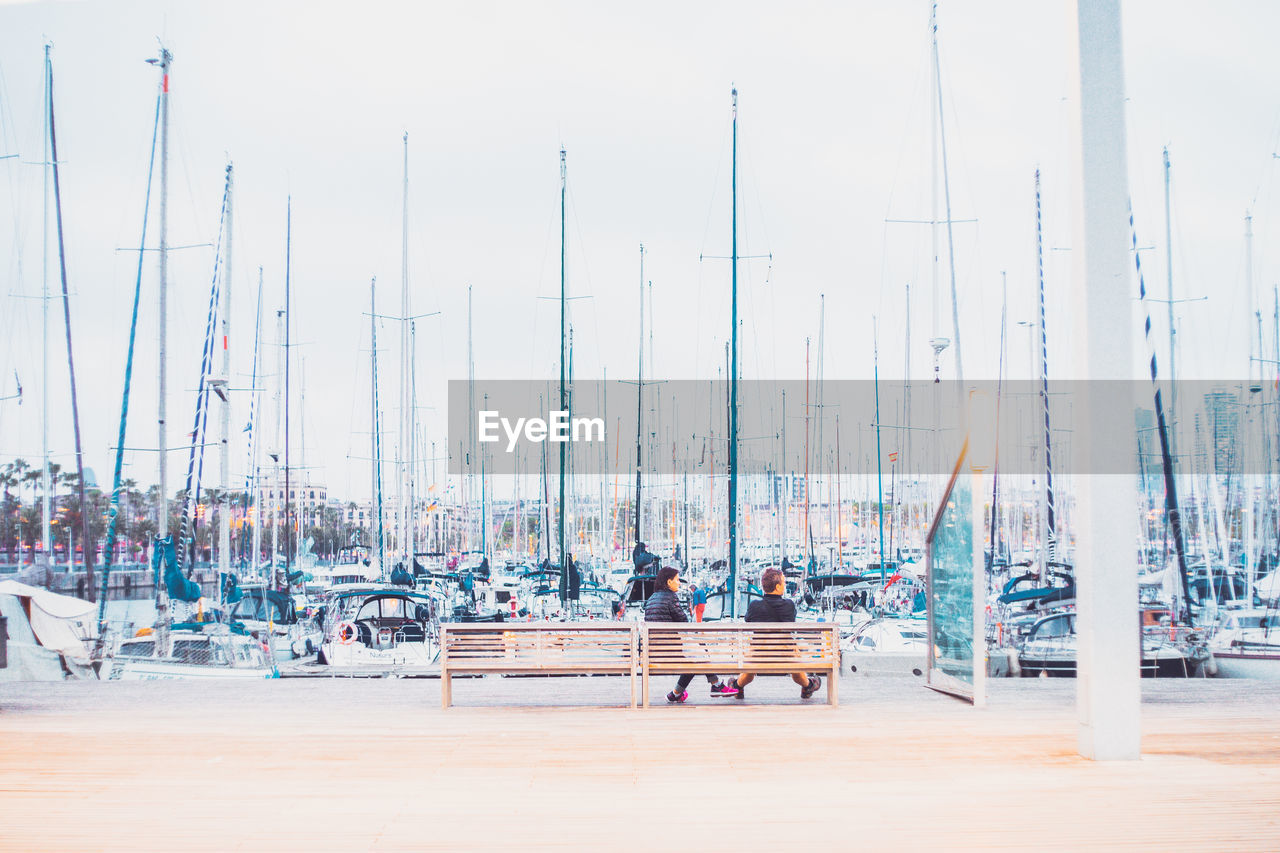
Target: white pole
{"type": "Point", "coordinates": [255, 485]}
{"type": "Point", "coordinates": [224, 502]}
{"type": "Point", "coordinates": [1108, 653]}
{"type": "Point", "coordinates": [278, 489]}
{"type": "Point", "coordinates": [162, 526]}
{"type": "Point", "coordinates": [304, 493]}
{"type": "Point", "coordinates": [404, 538]}
{"type": "Point", "coordinates": [46, 538]}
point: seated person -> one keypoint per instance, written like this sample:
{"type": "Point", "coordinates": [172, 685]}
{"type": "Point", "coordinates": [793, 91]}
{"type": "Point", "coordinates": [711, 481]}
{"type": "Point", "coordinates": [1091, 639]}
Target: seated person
{"type": "Point", "coordinates": [774, 608]}
{"type": "Point", "coordinates": [664, 606]}
{"type": "Point", "coordinates": [643, 558]}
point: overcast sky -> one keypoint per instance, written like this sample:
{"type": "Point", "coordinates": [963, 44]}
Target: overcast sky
{"type": "Point", "coordinates": [312, 99]}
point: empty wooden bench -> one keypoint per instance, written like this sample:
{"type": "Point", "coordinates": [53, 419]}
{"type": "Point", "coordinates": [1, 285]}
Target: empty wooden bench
{"type": "Point", "coordinates": [538, 648]}
{"type": "Point", "coordinates": [728, 648]}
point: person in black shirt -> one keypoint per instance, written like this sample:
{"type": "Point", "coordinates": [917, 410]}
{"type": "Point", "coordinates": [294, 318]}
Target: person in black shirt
{"type": "Point", "coordinates": [774, 608]}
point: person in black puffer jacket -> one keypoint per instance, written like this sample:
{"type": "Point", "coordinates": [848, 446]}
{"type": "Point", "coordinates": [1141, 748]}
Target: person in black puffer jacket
{"type": "Point", "coordinates": [774, 608]}
{"type": "Point", "coordinates": [664, 606]}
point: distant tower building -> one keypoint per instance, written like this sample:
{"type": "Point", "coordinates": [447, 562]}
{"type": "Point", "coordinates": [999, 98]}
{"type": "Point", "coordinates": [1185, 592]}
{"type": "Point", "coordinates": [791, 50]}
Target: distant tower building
{"type": "Point", "coordinates": [1222, 416]}
{"type": "Point", "coordinates": [1150, 464]}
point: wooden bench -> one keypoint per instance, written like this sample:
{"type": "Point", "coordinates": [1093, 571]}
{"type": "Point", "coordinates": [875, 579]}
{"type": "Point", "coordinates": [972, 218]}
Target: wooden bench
{"type": "Point", "coordinates": [538, 648]}
{"type": "Point", "coordinates": [728, 648]}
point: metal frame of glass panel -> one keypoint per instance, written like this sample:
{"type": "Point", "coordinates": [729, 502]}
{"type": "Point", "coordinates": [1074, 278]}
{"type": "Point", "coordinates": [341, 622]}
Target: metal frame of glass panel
{"type": "Point", "coordinates": [955, 575]}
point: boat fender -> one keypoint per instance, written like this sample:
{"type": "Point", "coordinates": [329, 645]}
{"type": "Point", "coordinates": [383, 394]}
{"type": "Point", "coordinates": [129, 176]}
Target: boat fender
{"type": "Point", "coordinates": [346, 633]}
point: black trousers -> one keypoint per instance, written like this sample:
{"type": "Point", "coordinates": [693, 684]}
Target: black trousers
{"type": "Point", "coordinates": [683, 681]}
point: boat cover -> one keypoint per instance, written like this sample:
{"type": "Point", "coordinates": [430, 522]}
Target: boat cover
{"type": "Point", "coordinates": [49, 625]}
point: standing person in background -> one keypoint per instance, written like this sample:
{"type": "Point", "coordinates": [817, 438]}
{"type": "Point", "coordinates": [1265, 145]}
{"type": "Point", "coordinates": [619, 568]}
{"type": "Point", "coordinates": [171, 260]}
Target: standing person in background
{"type": "Point", "coordinates": [699, 601]}
{"type": "Point", "coordinates": [664, 606]}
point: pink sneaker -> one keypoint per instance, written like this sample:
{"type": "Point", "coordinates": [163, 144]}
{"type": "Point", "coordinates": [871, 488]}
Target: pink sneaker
{"type": "Point", "coordinates": [677, 697]}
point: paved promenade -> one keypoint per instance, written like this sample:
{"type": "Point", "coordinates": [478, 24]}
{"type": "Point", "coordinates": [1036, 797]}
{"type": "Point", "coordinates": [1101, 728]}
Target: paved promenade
{"type": "Point", "coordinates": [356, 764]}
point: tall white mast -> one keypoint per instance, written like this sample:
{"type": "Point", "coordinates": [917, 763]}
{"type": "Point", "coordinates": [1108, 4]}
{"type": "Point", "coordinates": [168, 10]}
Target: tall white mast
{"type": "Point", "coordinates": [221, 387]}
{"type": "Point", "coordinates": [303, 488]}
{"type": "Point", "coordinates": [938, 342]}
{"type": "Point", "coordinates": [413, 441]}
{"type": "Point", "coordinates": [1255, 381]}
{"type": "Point", "coordinates": [162, 445]}
{"type": "Point", "coordinates": [46, 541]}
{"type": "Point", "coordinates": [278, 487]}
{"type": "Point", "coordinates": [1248, 283]}
{"type": "Point", "coordinates": [946, 194]}
{"type": "Point", "coordinates": [471, 427]}
{"type": "Point", "coordinates": [255, 486]}
{"type": "Point", "coordinates": [1168, 250]}
{"type": "Point", "coordinates": [404, 539]}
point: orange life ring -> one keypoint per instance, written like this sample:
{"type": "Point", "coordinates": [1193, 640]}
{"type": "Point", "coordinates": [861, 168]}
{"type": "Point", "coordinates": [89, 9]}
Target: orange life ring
{"type": "Point", "coordinates": [346, 633]}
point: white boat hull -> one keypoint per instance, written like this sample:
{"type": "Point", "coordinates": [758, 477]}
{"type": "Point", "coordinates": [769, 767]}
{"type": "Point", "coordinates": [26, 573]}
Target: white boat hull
{"type": "Point", "coordinates": [1263, 666]}
{"type": "Point", "coordinates": [339, 655]}
{"type": "Point", "coordinates": [145, 670]}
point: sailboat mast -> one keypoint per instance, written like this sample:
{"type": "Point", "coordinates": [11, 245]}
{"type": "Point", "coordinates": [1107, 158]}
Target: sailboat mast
{"type": "Point", "coordinates": [405, 538]}
{"type": "Point", "coordinates": [277, 505]}
{"type": "Point", "coordinates": [113, 513]}
{"type": "Point", "coordinates": [995, 470]}
{"type": "Point", "coordinates": [413, 442]}
{"type": "Point", "coordinates": [86, 541]}
{"type": "Point", "coordinates": [288, 322]}
{"type": "Point", "coordinates": [1168, 268]}
{"type": "Point", "coordinates": [564, 391]}
{"type": "Point", "coordinates": [640, 401]}
{"type": "Point", "coordinates": [937, 342]}
{"type": "Point", "coordinates": [255, 490]}
{"type": "Point", "coordinates": [840, 506]}
{"type": "Point", "coordinates": [471, 424]}
{"type": "Point", "coordinates": [375, 494]}
{"type": "Point", "coordinates": [162, 437]}
{"type": "Point", "coordinates": [946, 193]}
{"type": "Point", "coordinates": [1048, 541]}
{"type": "Point", "coordinates": [733, 383]}
{"type": "Point", "coordinates": [46, 540]}
{"type": "Point", "coordinates": [806, 541]}
{"type": "Point", "coordinates": [875, 338]}
{"type": "Point", "coordinates": [785, 486]}
{"type": "Point", "coordinates": [222, 388]}
{"type": "Point", "coordinates": [817, 405]}
{"type": "Point", "coordinates": [1170, 481]}
{"type": "Point", "coordinates": [301, 525]}
{"type": "Point", "coordinates": [546, 500]}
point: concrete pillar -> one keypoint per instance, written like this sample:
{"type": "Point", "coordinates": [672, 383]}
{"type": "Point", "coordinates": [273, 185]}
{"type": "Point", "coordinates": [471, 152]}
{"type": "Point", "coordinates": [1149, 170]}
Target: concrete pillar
{"type": "Point", "coordinates": [1107, 689]}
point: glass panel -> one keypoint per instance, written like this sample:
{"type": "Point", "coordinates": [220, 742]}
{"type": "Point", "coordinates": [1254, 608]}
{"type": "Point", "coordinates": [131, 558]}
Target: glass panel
{"type": "Point", "coordinates": [951, 585]}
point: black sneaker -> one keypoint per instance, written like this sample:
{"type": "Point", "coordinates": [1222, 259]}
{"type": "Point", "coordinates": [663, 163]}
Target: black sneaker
{"type": "Point", "coordinates": [721, 688]}
{"type": "Point", "coordinates": [678, 697]}
{"type": "Point", "coordinates": [738, 692]}
{"type": "Point", "coordinates": [811, 688]}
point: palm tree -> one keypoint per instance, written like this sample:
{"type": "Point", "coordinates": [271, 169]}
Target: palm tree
{"type": "Point", "coordinates": [10, 476]}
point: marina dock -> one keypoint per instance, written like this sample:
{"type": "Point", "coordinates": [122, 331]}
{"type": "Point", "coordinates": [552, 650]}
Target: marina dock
{"type": "Point", "coordinates": [555, 763]}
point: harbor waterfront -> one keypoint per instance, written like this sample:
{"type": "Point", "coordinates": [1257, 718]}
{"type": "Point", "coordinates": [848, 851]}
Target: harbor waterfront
{"type": "Point", "coordinates": [375, 764]}
{"type": "Point", "coordinates": [363, 488]}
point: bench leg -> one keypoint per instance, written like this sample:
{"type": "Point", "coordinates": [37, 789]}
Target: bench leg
{"type": "Point", "coordinates": [446, 689]}
{"type": "Point", "coordinates": [644, 687]}
{"type": "Point", "coordinates": [833, 687]}
{"type": "Point", "coordinates": [633, 687]}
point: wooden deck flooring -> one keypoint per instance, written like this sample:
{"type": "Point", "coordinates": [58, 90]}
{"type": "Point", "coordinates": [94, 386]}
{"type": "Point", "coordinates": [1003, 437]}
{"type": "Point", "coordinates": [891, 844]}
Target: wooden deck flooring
{"type": "Point", "coordinates": [317, 765]}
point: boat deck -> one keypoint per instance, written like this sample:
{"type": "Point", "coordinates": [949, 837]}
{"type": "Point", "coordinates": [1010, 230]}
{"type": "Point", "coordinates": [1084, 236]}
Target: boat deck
{"type": "Point", "coordinates": [532, 763]}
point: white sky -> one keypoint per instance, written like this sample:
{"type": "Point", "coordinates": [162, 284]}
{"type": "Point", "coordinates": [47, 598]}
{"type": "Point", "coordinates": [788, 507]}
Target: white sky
{"type": "Point", "coordinates": [312, 99]}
